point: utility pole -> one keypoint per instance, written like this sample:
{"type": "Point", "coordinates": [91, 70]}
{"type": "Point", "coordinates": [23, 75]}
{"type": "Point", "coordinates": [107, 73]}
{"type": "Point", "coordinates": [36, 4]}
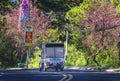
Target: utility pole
{"type": "Point", "coordinates": [66, 50]}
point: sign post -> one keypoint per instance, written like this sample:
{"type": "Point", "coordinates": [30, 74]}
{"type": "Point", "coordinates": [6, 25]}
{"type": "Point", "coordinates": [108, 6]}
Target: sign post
{"type": "Point", "coordinates": [28, 42]}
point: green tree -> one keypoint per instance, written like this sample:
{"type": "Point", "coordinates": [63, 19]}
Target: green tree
{"type": "Point", "coordinates": [57, 5]}
{"type": "Point", "coordinates": [5, 6]}
{"type": "Point", "coordinates": [7, 49]}
{"type": "Point", "coordinates": [98, 16]}
{"type": "Point", "coordinates": [35, 59]}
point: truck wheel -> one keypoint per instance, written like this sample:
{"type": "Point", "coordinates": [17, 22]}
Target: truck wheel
{"type": "Point", "coordinates": [61, 69]}
{"type": "Point", "coordinates": [40, 69]}
{"type": "Point", "coordinates": [45, 69]}
{"type": "Point", "coordinates": [56, 69]}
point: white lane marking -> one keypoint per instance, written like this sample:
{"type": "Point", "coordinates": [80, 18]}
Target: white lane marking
{"type": "Point", "coordinates": [64, 77]}
{"type": "Point", "coordinates": [70, 77]}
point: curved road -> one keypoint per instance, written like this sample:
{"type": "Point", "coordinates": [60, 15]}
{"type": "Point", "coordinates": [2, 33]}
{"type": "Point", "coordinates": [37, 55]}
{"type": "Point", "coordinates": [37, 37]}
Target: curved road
{"type": "Point", "coordinates": [66, 75]}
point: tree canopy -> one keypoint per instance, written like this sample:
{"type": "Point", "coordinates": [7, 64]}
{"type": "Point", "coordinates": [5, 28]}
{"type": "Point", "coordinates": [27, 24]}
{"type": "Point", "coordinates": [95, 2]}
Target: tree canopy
{"type": "Point", "coordinates": [93, 27]}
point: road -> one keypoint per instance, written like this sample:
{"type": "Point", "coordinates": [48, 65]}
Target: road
{"type": "Point", "coordinates": [66, 75]}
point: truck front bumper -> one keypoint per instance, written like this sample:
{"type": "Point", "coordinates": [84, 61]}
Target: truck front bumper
{"type": "Point", "coordinates": [54, 66]}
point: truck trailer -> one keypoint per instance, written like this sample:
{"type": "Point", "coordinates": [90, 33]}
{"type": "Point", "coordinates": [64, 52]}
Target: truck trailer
{"type": "Point", "coordinates": [52, 56]}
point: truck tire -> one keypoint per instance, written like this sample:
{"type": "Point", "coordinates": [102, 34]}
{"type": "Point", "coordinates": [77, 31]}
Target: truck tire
{"type": "Point", "coordinates": [61, 69]}
{"type": "Point", "coordinates": [40, 69]}
{"type": "Point", "coordinates": [56, 69]}
{"type": "Point", "coordinates": [44, 68]}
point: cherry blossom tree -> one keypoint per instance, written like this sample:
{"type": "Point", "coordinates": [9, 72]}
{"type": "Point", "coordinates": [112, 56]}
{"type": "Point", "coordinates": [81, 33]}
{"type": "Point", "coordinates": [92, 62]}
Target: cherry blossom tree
{"type": "Point", "coordinates": [104, 21]}
{"type": "Point", "coordinates": [38, 21]}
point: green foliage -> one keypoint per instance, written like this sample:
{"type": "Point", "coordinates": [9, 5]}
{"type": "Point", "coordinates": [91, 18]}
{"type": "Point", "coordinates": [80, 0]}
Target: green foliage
{"type": "Point", "coordinates": [118, 8]}
{"type": "Point", "coordinates": [76, 13]}
{"type": "Point", "coordinates": [108, 58]}
{"type": "Point", "coordinates": [115, 2]}
{"type": "Point", "coordinates": [57, 5]}
{"type": "Point", "coordinates": [81, 45]}
{"type": "Point", "coordinates": [53, 35]}
{"type": "Point", "coordinates": [35, 59]}
{"type": "Point", "coordinates": [87, 42]}
{"type": "Point", "coordinates": [5, 6]}
{"type": "Point", "coordinates": [7, 49]}
{"type": "Point", "coordinates": [75, 57]}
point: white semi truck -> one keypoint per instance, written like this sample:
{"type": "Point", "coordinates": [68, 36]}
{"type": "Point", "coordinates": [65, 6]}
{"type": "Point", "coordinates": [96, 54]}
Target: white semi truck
{"type": "Point", "coordinates": [52, 56]}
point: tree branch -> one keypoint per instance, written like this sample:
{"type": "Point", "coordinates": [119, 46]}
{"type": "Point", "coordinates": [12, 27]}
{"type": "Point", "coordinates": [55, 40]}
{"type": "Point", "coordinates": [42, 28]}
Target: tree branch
{"type": "Point", "coordinates": [96, 30]}
{"type": "Point", "coordinates": [103, 29]}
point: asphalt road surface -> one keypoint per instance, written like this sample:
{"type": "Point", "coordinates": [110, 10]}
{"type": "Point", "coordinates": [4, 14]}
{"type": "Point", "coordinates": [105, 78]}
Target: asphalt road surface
{"type": "Point", "coordinates": [66, 75]}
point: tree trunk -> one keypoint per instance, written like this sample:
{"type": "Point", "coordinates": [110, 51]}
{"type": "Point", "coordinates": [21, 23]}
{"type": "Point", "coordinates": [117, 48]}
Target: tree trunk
{"type": "Point", "coordinates": [119, 53]}
{"type": "Point", "coordinates": [94, 59]}
{"type": "Point", "coordinates": [87, 61]}
{"type": "Point", "coordinates": [95, 55]}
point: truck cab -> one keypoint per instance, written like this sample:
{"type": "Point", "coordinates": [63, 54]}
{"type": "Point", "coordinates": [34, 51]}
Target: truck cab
{"type": "Point", "coordinates": [52, 56]}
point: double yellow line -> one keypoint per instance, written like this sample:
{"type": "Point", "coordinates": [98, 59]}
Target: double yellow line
{"type": "Point", "coordinates": [66, 77]}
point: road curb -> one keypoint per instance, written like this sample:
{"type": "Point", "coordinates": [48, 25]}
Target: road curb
{"type": "Point", "coordinates": [12, 69]}
{"type": "Point", "coordinates": [86, 68]}
{"type": "Point", "coordinates": [15, 69]}
{"type": "Point", "coordinates": [112, 70]}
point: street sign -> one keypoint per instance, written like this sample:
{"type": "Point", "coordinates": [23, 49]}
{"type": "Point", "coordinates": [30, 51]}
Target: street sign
{"type": "Point", "coordinates": [28, 36]}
